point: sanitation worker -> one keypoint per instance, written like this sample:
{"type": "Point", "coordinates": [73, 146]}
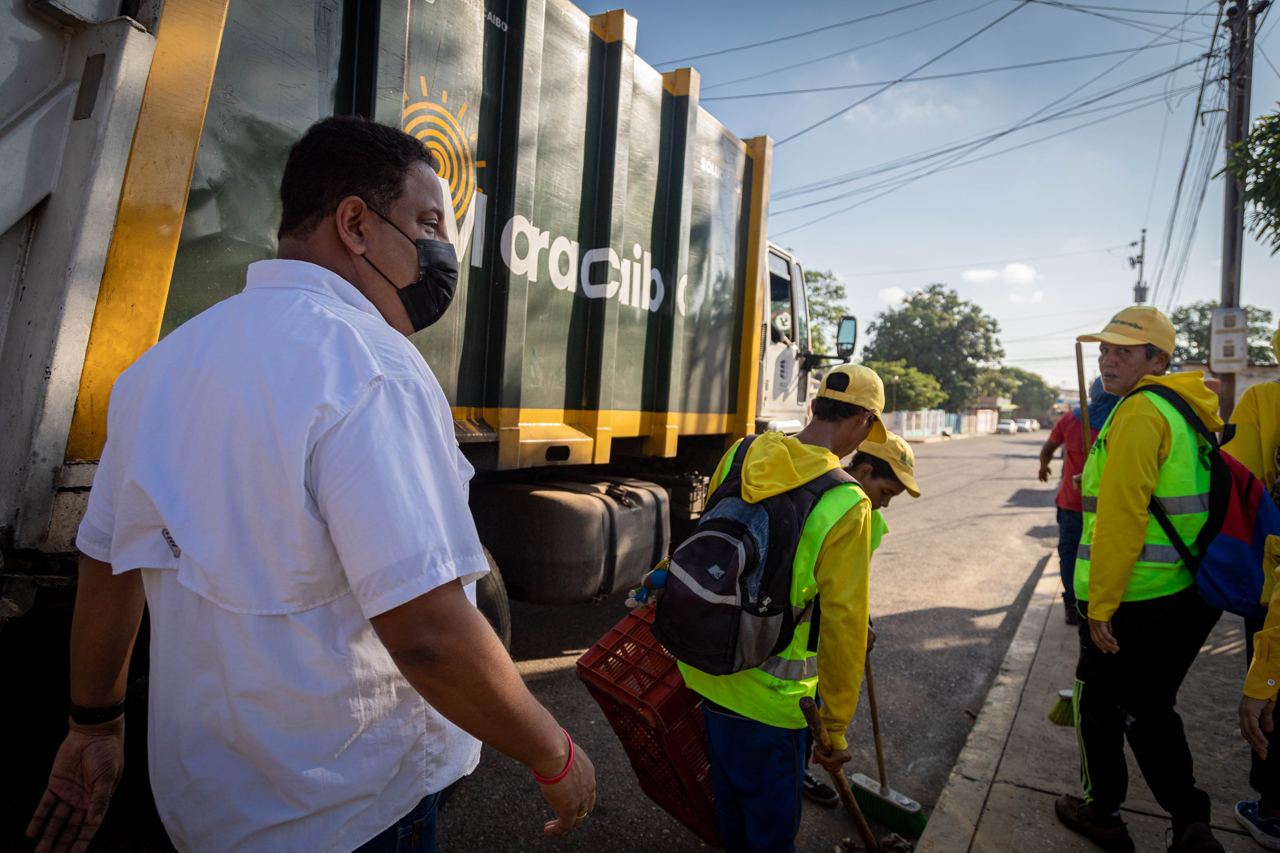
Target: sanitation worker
{"type": "Point", "coordinates": [756, 734]}
{"type": "Point", "coordinates": [1257, 446]}
{"type": "Point", "coordinates": [884, 470]}
{"type": "Point", "coordinates": [1143, 619]}
{"type": "Point", "coordinates": [281, 487]}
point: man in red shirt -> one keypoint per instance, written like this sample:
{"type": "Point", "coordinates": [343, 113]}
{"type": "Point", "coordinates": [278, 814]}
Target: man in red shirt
{"type": "Point", "coordinates": [1066, 434]}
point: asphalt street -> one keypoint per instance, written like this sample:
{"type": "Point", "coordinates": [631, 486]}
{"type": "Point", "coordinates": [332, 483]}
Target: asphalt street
{"type": "Point", "coordinates": [949, 584]}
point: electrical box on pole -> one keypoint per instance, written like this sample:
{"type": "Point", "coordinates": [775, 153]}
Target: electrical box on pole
{"type": "Point", "coordinates": [1229, 341]}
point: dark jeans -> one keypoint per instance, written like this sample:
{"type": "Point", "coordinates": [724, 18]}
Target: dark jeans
{"type": "Point", "coordinates": [757, 776]}
{"type": "Point", "coordinates": [413, 833]}
{"type": "Point", "coordinates": [1132, 694]}
{"type": "Point", "coordinates": [1264, 775]}
{"type": "Point", "coordinates": [1070, 526]}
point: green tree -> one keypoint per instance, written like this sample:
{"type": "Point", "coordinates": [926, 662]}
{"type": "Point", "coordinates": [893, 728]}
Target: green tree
{"type": "Point", "coordinates": [938, 333]}
{"type": "Point", "coordinates": [826, 295]}
{"type": "Point", "coordinates": [1194, 321]}
{"type": "Point", "coordinates": [905, 388]}
{"type": "Point", "coordinates": [1257, 165]}
{"type": "Point", "coordinates": [996, 382]}
{"type": "Point", "coordinates": [1033, 396]}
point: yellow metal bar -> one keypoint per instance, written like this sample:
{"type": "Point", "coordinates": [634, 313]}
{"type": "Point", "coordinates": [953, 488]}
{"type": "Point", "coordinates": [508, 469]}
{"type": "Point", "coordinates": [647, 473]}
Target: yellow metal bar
{"type": "Point", "coordinates": [760, 149]}
{"type": "Point", "coordinates": [153, 201]}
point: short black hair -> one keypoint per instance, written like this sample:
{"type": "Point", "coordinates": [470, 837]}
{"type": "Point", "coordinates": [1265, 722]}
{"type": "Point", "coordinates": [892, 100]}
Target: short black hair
{"type": "Point", "coordinates": [880, 469]}
{"type": "Point", "coordinates": [827, 409]}
{"type": "Point", "coordinates": [344, 156]}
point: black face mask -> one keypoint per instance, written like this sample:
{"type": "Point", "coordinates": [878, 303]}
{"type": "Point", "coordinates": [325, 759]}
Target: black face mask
{"type": "Point", "coordinates": [428, 296]}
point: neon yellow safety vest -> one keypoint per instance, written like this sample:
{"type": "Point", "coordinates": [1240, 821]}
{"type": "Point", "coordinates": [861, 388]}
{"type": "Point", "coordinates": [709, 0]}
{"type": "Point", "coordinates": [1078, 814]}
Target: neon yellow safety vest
{"type": "Point", "coordinates": [1183, 491]}
{"type": "Point", "coordinates": [771, 692]}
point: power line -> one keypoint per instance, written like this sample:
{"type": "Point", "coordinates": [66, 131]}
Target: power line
{"type": "Point", "coordinates": [847, 50]}
{"type": "Point", "coordinates": [1021, 5]}
{"type": "Point", "coordinates": [1182, 173]}
{"type": "Point", "coordinates": [1096, 251]}
{"type": "Point", "coordinates": [813, 31]}
{"type": "Point", "coordinates": [981, 143]}
{"type": "Point", "coordinates": [1164, 130]}
{"type": "Point", "coordinates": [904, 181]}
{"type": "Point", "coordinates": [969, 148]}
{"type": "Point", "coordinates": [1139, 25]}
{"type": "Point", "coordinates": [1130, 9]}
{"type": "Point", "coordinates": [827, 183]}
{"type": "Point", "coordinates": [947, 76]}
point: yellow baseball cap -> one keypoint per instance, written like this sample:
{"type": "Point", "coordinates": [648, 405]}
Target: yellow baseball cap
{"type": "Point", "coordinates": [900, 457]}
{"type": "Point", "coordinates": [860, 386]}
{"type": "Point", "coordinates": [1135, 326]}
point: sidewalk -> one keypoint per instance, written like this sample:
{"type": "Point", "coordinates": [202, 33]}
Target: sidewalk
{"type": "Point", "coordinates": [1015, 763]}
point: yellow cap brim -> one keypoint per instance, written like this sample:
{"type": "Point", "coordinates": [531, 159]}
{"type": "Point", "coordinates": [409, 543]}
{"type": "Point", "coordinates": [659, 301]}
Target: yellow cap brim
{"type": "Point", "coordinates": [1112, 338]}
{"type": "Point", "coordinates": [878, 433]}
{"type": "Point", "coordinates": [908, 481]}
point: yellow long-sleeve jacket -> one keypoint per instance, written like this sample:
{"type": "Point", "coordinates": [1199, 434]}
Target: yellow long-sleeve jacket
{"type": "Point", "coordinates": [776, 463]}
{"type": "Point", "coordinates": [1257, 420]}
{"type": "Point", "coordinates": [1138, 444]}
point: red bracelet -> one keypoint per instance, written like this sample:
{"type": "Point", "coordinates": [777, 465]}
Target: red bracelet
{"type": "Point", "coordinates": [551, 780]}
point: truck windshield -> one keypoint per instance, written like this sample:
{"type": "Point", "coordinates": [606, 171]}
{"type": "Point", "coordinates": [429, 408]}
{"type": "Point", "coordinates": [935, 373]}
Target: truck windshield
{"type": "Point", "coordinates": [780, 290]}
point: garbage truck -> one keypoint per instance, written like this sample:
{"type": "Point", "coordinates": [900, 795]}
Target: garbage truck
{"type": "Point", "coordinates": [621, 316]}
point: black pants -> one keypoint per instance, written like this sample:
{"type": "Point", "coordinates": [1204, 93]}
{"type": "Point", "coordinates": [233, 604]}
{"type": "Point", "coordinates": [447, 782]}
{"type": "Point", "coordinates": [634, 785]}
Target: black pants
{"type": "Point", "coordinates": [1132, 694]}
{"type": "Point", "coordinates": [1264, 775]}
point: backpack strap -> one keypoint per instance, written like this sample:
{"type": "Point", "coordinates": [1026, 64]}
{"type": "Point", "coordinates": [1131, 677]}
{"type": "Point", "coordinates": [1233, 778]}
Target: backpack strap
{"type": "Point", "coordinates": [1219, 482]}
{"type": "Point", "coordinates": [819, 486]}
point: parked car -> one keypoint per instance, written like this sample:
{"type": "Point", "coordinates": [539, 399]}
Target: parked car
{"type": "Point", "coordinates": [1022, 425]}
{"type": "Point", "coordinates": [1006, 427]}
{"type": "Point", "coordinates": [1035, 425]}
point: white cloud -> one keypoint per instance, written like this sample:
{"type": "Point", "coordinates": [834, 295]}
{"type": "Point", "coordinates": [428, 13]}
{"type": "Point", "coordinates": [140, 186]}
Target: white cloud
{"type": "Point", "coordinates": [979, 276]}
{"type": "Point", "coordinates": [892, 295]}
{"type": "Point", "coordinates": [1032, 299]}
{"type": "Point", "coordinates": [1022, 275]}
{"type": "Point", "coordinates": [1015, 275]}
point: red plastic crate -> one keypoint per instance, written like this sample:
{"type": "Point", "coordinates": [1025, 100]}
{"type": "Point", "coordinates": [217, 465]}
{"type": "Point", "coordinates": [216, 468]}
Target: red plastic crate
{"type": "Point", "coordinates": [659, 720]}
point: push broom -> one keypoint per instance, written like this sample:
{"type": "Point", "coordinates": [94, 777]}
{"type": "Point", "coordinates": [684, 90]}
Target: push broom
{"type": "Point", "coordinates": [1063, 711]}
{"type": "Point", "coordinates": [887, 806]}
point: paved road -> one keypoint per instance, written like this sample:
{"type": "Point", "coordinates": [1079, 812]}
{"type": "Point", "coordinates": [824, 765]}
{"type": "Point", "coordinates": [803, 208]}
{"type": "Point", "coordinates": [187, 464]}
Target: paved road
{"type": "Point", "coordinates": [949, 585]}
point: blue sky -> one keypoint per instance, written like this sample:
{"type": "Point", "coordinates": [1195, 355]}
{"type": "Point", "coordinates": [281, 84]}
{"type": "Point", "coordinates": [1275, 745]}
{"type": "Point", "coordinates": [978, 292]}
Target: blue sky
{"type": "Point", "coordinates": [994, 227]}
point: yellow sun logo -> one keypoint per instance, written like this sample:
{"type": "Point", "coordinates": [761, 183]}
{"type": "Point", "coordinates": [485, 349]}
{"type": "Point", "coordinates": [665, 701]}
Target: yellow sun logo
{"type": "Point", "coordinates": [441, 132]}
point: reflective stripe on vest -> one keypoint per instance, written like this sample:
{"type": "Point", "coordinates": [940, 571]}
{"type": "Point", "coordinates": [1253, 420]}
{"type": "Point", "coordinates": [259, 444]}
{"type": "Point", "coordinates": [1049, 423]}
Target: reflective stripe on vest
{"type": "Point", "coordinates": [1185, 505]}
{"type": "Point", "coordinates": [1182, 490]}
{"type": "Point", "coordinates": [771, 692]}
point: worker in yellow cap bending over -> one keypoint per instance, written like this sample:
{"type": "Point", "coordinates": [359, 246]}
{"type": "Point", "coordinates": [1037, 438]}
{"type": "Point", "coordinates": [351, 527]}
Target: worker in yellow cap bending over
{"type": "Point", "coordinates": [1145, 618]}
{"type": "Point", "coordinates": [804, 527]}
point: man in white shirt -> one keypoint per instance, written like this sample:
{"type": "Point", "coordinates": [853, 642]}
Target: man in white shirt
{"type": "Point", "coordinates": [281, 485]}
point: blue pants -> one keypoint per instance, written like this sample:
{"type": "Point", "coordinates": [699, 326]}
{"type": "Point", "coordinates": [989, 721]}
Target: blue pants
{"type": "Point", "coordinates": [1070, 528]}
{"type": "Point", "coordinates": [757, 776]}
{"type": "Point", "coordinates": [413, 833]}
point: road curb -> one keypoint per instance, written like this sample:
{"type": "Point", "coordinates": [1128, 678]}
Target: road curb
{"type": "Point", "coordinates": [955, 819]}
{"type": "Point", "coordinates": [934, 439]}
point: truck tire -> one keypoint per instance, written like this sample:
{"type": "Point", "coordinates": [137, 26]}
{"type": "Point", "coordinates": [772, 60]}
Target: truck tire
{"type": "Point", "coordinates": [492, 601]}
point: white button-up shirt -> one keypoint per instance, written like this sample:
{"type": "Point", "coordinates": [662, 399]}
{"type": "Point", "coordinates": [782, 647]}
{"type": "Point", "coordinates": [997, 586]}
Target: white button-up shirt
{"type": "Point", "coordinates": [281, 469]}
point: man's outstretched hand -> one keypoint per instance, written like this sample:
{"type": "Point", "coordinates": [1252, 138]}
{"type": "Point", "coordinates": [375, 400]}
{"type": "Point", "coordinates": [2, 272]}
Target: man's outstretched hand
{"type": "Point", "coordinates": [83, 778]}
{"type": "Point", "coordinates": [1256, 722]}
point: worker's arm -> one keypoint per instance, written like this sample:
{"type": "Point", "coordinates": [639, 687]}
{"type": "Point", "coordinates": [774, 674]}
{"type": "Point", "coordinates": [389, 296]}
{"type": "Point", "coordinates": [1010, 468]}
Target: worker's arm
{"type": "Point", "coordinates": [1264, 670]}
{"type": "Point", "coordinates": [451, 656]}
{"type": "Point", "coordinates": [843, 573]}
{"type": "Point", "coordinates": [1247, 445]}
{"type": "Point", "coordinates": [1046, 456]}
{"type": "Point", "coordinates": [1137, 445]}
{"type": "Point", "coordinates": [88, 765]}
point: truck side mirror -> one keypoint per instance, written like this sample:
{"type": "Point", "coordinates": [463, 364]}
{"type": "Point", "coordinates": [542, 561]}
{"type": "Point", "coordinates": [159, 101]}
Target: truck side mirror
{"type": "Point", "coordinates": [846, 337]}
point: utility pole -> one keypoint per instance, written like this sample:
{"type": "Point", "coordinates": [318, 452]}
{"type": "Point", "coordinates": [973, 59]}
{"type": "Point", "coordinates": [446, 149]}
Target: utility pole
{"type": "Point", "coordinates": [1139, 260]}
{"type": "Point", "coordinates": [1240, 23]}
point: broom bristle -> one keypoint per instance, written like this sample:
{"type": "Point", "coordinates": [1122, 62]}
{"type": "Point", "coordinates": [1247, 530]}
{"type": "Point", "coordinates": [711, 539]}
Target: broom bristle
{"type": "Point", "coordinates": [1063, 712]}
{"type": "Point", "coordinates": [907, 821]}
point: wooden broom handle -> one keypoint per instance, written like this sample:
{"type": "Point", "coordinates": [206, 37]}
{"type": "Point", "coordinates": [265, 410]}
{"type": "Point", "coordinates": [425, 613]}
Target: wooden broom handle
{"type": "Point", "coordinates": [875, 727]}
{"type": "Point", "coordinates": [810, 710]}
{"type": "Point", "coordinates": [1086, 434]}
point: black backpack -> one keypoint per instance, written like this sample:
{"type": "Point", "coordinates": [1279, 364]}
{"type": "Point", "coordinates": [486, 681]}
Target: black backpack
{"type": "Point", "coordinates": [727, 602]}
